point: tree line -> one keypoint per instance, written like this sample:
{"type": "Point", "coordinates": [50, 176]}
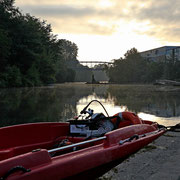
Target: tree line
{"type": "Point", "coordinates": [30, 55]}
{"type": "Point", "coordinates": [133, 68]}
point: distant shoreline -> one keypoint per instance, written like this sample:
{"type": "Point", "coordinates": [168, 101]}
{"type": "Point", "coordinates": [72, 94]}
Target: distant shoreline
{"type": "Point", "coordinates": [164, 88]}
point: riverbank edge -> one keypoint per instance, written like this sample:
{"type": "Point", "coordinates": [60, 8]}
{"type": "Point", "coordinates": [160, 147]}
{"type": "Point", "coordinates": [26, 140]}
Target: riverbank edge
{"type": "Point", "coordinates": [159, 160]}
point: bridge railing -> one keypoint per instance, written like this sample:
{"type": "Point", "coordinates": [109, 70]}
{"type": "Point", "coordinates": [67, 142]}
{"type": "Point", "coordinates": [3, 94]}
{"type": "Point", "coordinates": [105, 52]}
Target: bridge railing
{"type": "Point", "coordinates": [91, 64]}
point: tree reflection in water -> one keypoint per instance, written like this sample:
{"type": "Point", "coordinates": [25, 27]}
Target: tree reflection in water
{"type": "Point", "coordinates": [61, 102]}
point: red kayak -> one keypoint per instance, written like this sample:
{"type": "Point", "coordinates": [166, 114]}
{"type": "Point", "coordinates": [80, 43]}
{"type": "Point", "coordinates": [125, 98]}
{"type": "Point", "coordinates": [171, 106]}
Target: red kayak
{"type": "Point", "coordinates": [79, 149]}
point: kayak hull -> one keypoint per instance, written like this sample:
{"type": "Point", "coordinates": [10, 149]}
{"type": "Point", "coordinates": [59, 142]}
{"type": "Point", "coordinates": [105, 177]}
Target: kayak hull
{"type": "Point", "coordinates": [87, 162]}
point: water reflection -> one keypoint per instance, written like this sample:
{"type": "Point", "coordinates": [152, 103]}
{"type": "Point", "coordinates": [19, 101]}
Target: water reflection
{"type": "Point", "coordinates": [161, 120]}
{"type": "Point", "coordinates": [156, 103]}
{"type": "Point", "coordinates": [107, 103]}
{"type": "Point", "coordinates": [61, 102]}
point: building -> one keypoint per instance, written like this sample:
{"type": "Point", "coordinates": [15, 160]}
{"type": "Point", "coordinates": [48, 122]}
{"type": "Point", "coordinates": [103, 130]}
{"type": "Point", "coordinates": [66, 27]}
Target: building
{"type": "Point", "coordinates": [162, 53]}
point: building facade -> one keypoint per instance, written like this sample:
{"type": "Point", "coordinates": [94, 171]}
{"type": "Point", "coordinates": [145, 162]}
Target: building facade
{"type": "Point", "coordinates": [173, 54]}
{"type": "Point", "coordinates": [162, 53]}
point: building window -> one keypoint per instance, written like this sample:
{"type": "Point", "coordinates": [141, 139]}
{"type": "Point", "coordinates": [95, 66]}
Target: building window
{"type": "Point", "coordinates": [177, 54]}
{"type": "Point", "coordinates": [169, 54]}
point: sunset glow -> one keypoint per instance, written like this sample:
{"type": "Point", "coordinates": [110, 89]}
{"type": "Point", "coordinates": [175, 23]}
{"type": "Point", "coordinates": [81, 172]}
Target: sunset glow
{"type": "Point", "coordinates": [106, 29]}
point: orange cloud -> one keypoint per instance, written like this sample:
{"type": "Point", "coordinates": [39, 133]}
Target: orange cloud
{"type": "Point", "coordinates": [105, 16]}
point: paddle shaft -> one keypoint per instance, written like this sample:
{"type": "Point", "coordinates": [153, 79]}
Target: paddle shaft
{"type": "Point", "coordinates": [76, 144]}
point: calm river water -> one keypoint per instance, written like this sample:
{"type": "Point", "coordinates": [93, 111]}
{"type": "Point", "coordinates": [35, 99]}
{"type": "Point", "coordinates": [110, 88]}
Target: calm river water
{"type": "Point", "coordinates": [63, 101]}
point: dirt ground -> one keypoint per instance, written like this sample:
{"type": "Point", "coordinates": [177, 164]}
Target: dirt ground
{"type": "Point", "coordinates": [160, 160]}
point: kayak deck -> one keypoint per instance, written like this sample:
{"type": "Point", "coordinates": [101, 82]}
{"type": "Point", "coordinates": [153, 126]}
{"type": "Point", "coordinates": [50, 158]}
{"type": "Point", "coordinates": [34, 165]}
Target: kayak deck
{"type": "Point", "coordinates": [24, 138]}
{"type": "Point", "coordinates": [103, 151]}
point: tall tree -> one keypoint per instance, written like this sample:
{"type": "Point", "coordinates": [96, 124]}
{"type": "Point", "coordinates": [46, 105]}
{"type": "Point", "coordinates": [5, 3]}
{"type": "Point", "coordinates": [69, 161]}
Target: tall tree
{"type": "Point", "coordinates": [130, 69]}
{"type": "Point", "coordinates": [30, 54]}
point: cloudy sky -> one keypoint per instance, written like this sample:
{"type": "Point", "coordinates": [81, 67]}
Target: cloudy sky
{"type": "Point", "coordinates": [106, 29]}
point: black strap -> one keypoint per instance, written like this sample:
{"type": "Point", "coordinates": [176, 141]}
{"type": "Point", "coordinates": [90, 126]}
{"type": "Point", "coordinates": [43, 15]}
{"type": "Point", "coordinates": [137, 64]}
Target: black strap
{"type": "Point", "coordinates": [14, 169]}
{"type": "Point", "coordinates": [135, 136]}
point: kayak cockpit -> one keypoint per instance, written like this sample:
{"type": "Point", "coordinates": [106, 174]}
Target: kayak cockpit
{"type": "Point", "coordinates": [20, 139]}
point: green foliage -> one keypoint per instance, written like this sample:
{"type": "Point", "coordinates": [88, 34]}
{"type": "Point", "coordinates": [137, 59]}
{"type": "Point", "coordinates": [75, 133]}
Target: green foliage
{"type": "Point", "coordinates": [30, 52]}
{"type": "Point", "coordinates": [131, 69]}
{"type": "Point", "coordinates": [172, 70]}
{"type": "Point", "coordinates": [5, 44]}
{"type": "Point", "coordinates": [154, 71]}
{"type": "Point", "coordinates": [134, 69]}
{"type": "Point", "coordinates": [32, 77]}
{"type": "Point", "coordinates": [67, 62]}
{"type": "Point", "coordinates": [12, 77]}
{"type": "Point", "coordinates": [69, 50]}
{"type": "Point", "coordinates": [70, 75]}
